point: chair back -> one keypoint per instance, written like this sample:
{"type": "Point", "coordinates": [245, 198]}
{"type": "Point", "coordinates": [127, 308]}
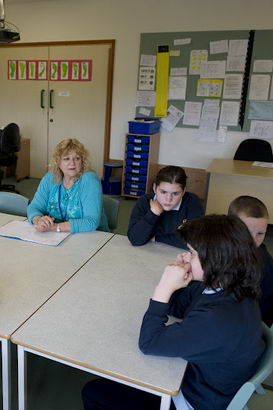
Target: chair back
{"type": "Point", "coordinates": [265, 368]}
{"type": "Point", "coordinates": [254, 149]}
{"type": "Point", "coordinates": [15, 204]}
{"type": "Point", "coordinates": [111, 209]}
{"type": "Point", "coordinates": [10, 139]}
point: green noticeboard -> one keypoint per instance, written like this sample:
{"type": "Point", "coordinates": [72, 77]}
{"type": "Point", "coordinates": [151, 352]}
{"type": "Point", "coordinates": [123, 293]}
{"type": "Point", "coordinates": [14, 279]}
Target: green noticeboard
{"type": "Point", "coordinates": [207, 67]}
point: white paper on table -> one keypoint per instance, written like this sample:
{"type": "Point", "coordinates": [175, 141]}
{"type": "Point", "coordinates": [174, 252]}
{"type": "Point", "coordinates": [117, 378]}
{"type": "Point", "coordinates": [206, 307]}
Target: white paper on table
{"type": "Point", "coordinates": [149, 60]}
{"type": "Point", "coordinates": [25, 231]}
{"type": "Point", "coordinates": [233, 86]}
{"type": "Point", "coordinates": [170, 122]}
{"type": "Point", "coordinates": [263, 66]}
{"type": "Point", "coordinates": [220, 46]}
{"type": "Point", "coordinates": [261, 129]}
{"type": "Point", "coordinates": [145, 98]}
{"type": "Point", "coordinates": [213, 69]}
{"type": "Point", "coordinates": [259, 87]}
{"type": "Point", "coordinates": [197, 56]}
{"type": "Point", "coordinates": [177, 71]}
{"type": "Point", "coordinates": [177, 88]}
{"type": "Point", "coordinates": [229, 113]}
{"type": "Point", "coordinates": [146, 79]}
{"type": "Point", "coordinates": [263, 164]}
{"type": "Point", "coordinates": [192, 113]}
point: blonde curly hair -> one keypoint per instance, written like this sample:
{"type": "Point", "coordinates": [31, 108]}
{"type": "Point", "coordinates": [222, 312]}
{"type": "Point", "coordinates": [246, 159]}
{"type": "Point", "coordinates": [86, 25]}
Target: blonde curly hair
{"type": "Point", "coordinates": [63, 148]}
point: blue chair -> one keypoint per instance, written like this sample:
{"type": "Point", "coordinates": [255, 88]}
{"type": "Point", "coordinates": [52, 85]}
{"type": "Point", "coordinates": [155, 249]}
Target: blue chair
{"type": "Point", "coordinates": [15, 204]}
{"type": "Point", "coordinates": [111, 209]}
{"type": "Point", "coordinates": [111, 185]}
{"type": "Point", "coordinates": [239, 401]}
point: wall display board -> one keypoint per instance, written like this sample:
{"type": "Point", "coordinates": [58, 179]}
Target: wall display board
{"type": "Point", "coordinates": [259, 102]}
{"type": "Point", "coordinates": [217, 79]}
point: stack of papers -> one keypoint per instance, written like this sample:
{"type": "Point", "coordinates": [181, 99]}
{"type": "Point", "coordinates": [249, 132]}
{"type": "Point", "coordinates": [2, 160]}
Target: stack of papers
{"type": "Point", "coordinates": [263, 164]}
{"type": "Point", "coordinates": [24, 231]}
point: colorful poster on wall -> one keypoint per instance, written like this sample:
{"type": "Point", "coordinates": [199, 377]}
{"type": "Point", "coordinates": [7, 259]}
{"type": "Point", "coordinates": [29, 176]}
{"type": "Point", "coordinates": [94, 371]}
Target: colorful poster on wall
{"type": "Point", "coordinates": [71, 70]}
{"type": "Point", "coordinates": [57, 70]}
{"type": "Point", "coordinates": [27, 69]}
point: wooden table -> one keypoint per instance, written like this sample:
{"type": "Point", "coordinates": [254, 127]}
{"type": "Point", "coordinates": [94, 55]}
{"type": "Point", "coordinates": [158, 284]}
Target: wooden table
{"type": "Point", "coordinates": [229, 179]}
{"type": "Point", "coordinates": [30, 275]}
{"type": "Point", "coordinates": [93, 322]}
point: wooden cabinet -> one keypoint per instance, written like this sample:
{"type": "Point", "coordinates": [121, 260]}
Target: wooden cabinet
{"type": "Point", "coordinates": [140, 163]}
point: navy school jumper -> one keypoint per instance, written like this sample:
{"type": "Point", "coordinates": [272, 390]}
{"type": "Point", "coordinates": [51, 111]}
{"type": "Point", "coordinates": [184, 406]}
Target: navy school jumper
{"type": "Point", "coordinates": [145, 225]}
{"type": "Point", "coordinates": [220, 338]}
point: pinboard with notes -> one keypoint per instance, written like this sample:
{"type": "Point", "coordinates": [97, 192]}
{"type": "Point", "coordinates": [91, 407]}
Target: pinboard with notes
{"type": "Point", "coordinates": [223, 77]}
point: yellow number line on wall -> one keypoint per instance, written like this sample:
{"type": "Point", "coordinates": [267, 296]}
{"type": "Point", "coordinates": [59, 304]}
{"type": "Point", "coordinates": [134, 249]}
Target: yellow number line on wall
{"type": "Point", "coordinates": [162, 84]}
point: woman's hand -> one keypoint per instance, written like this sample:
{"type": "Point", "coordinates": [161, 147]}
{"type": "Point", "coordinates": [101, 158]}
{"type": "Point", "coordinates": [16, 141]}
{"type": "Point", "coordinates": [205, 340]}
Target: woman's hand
{"type": "Point", "coordinates": [44, 223]}
{"type": "Point", "coordinates": [155, 206]}
{"type": "Point", "coordinates": [175, 276]}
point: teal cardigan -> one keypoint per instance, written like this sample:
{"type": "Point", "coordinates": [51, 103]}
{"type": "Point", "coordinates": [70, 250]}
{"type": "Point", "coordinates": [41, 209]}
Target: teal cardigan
{"type": "Point", "coordinates": [88, 213]}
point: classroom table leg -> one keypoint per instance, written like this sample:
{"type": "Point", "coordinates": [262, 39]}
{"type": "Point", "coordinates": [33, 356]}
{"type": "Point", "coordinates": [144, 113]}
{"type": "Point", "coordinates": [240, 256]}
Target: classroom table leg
{"type": "Point", "coordinates": [5, 348]}
{"type": "Point", "coordinates": [22, 378]}
{"type": "Point", "coordinates": [165, 402]}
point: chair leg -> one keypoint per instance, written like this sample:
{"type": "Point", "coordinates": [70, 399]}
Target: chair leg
{"type": "Point", "coordinates": [260, 390]}
{"type": "Point", "coordinates": [267, 386]}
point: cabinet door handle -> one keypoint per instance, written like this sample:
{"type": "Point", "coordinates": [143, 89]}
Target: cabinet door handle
{"type": "Point", "coordinates": [42, 99]}
{"type": "Point", "coordinates": [51, 99]}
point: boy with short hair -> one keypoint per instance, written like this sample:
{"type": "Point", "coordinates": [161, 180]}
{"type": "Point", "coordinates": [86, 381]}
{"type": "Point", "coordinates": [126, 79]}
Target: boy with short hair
{"type": "Point", "coordinates": [254, 214]}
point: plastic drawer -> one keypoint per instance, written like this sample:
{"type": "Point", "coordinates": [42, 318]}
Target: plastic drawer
{"type": "Point", "coordinates": [140, 155]}
{"type": "Point", "coordinates": [133, 192]}
{"type": "Point", "coordinates": [138, 139]}
{"type": "Point", "coordinates": [134, 185]}
{"type": "Point", "coordinates": [136, 178]}
{"type": "Point", "coordinates": [138, 148]}
{"type": "Point", "coordinates": [138, 171]}
{"type": "Point", "coordinates": [136, 163]}
{"type": "Point", "coordinates": [144, 127]}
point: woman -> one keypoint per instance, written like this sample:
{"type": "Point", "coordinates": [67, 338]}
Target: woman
{"type": "Point", "coordinates": [69, 197]}
{"type": "Point", "coordinates": [157, 215]}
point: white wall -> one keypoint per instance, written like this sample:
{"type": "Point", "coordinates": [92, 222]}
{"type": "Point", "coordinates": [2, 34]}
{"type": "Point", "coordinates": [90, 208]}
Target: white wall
{"type": "Point", "coordinates": [124, 20]}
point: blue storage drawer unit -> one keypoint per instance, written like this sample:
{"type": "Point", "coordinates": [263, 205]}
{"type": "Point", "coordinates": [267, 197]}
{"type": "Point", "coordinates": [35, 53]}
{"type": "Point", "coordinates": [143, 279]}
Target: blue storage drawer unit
{"type": "Point", "coordinates": [141, 153]}
{"type": "Point", "coordinates": [144, 126]}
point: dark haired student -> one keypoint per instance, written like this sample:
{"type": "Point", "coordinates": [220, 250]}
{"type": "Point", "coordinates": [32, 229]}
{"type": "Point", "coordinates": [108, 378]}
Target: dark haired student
{"type": "Point", "coordinates": [157, 215]}
{"type": "Point", "coordinates": [254, 214]}
{"type": "Point", "coordinates": [214, 288]}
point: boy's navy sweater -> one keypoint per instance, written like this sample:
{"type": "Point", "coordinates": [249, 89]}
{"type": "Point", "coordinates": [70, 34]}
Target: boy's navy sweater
{"type": "Point", "coordinates": [145, 225]}
{"type": "Point", "coordinates": [266, 301]}
{"type": "Point", "coordinates": [219, 337]}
